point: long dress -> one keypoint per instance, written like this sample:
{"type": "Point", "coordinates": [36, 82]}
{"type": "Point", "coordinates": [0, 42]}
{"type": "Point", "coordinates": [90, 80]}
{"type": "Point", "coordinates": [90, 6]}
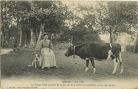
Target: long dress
{"type": "Point", "coordinates": [47, 54]}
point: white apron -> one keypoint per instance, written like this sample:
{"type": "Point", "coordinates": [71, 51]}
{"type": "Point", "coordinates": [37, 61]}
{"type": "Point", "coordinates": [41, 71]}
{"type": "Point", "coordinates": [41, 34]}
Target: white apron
{"type": "Point", "coordinates": [47, 58]}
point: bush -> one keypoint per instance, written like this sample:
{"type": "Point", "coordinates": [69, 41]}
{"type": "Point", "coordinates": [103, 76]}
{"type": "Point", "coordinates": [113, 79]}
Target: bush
{"type": "Point", "coordinates": [88, 38]}
{"type": "Point", "coordinates": [130, 48]}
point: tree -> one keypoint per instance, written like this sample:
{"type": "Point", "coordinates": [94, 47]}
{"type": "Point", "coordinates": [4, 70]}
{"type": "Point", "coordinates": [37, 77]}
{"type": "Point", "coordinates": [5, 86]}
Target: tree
{"type": "Point", "coordinates": [14, 15]}
{"type": "Point", "coordinates": [121, 16]}
{"type": "Point", "coordinates": [50, 16]}
{"type": "Point", "coordinates": [114, 17]}
{"type": "Point", "coordinates": [33, 17]}
{"type": "Point", "coordinates": [85, 26]}
{"type": "Point", "coordinates": [1, 43]}
{"type": "Point", "coordinates": [136, 45]}
{"type": "Point", "coordinates": [22, 9]}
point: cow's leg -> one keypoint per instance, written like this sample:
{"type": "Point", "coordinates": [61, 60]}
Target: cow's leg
{"type": "Point", "coordinates": [121, 65]}
{"type": "Point", "coordinates": [93, 65]}
{"type": "Point", "coordinates": [35, 64]}
{"type": "Point", "coordinates": [115, 65]}
{"type": "Point", "coordinates": [87, 64]}
{"type": "Point", "coordinates": [109, 54]}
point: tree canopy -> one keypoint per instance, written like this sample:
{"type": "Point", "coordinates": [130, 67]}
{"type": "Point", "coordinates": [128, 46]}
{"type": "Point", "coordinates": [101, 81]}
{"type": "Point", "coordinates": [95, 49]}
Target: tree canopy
{"type": "Point", "coordinates": [32, 18]}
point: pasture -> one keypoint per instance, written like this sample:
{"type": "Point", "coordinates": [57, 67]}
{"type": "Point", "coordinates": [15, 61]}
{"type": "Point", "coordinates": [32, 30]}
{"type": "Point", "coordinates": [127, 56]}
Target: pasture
{"type": "Point", "coordinates": [14, 65]}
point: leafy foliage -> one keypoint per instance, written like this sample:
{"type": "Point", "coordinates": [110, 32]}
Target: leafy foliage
{"type": "Point", "coordinates": [122, 15]}
{"type": "Point", "coordinates": [80, 24]}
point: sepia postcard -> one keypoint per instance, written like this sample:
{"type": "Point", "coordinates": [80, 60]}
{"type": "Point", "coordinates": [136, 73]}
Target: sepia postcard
{"type": "Point", "coordinates": [68, 44]}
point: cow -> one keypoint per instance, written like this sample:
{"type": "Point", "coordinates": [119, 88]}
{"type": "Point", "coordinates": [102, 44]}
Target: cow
{"type": "Point", "coordinates": [97, 51]}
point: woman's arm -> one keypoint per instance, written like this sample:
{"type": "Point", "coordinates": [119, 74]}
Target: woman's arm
{"type": "Point", "coordinates": [50, 45]}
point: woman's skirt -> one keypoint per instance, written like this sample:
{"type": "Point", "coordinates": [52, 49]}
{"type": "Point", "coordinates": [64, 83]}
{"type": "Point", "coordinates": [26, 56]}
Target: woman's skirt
{"type": "Point", "coordinates": [47, 58]}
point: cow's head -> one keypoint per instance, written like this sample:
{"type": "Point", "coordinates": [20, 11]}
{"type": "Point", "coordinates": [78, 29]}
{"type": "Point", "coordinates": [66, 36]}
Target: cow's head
{"type": "Point", "coordinates": [70, 51]}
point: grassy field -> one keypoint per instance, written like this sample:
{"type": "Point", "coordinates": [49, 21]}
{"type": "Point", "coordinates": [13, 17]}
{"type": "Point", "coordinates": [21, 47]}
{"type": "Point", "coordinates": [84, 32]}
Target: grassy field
{"type": "Point", "coordinates": [15, 65]}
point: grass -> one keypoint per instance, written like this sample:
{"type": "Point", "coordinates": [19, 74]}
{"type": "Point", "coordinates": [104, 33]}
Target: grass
{"type": "Point", "coordinates": [14, 65]}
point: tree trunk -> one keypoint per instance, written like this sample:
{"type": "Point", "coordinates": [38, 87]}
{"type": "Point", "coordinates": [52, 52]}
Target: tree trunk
{"type": "Point", "coordinates": [20, 40]}
{"type": "Point", "coordinates": [41, 31]}
{"type": "Point", "coordinates": [136, 45]}
{"type": "Point", "coordinates": [1, 42]}
{"type": "Point", "coordinates": [111, 35]}
{"type": "Point", "coordinates": [36, 34]}
{"type": "Point", "coordinates": [0, 37]}
{"type": "Point", "coordinates": [32, 41]}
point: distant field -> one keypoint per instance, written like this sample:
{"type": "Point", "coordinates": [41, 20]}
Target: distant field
{"type": "Point", "coordinates": [15, 65]}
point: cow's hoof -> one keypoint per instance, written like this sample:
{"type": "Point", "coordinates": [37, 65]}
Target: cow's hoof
{"type": "Point", "coordinates": [86, 69]}
{"type": "Point", "coordinates": [113, 72]}
{"type": "Point", "coordinates": [121, 71]}
{"type": "Point", "coordinates": [94, 70]}
{"type": "Point", "coordinates": [56, 67]}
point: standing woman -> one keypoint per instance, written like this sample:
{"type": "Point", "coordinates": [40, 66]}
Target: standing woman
{"type": "Point", "coordinates": [47, 55]}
